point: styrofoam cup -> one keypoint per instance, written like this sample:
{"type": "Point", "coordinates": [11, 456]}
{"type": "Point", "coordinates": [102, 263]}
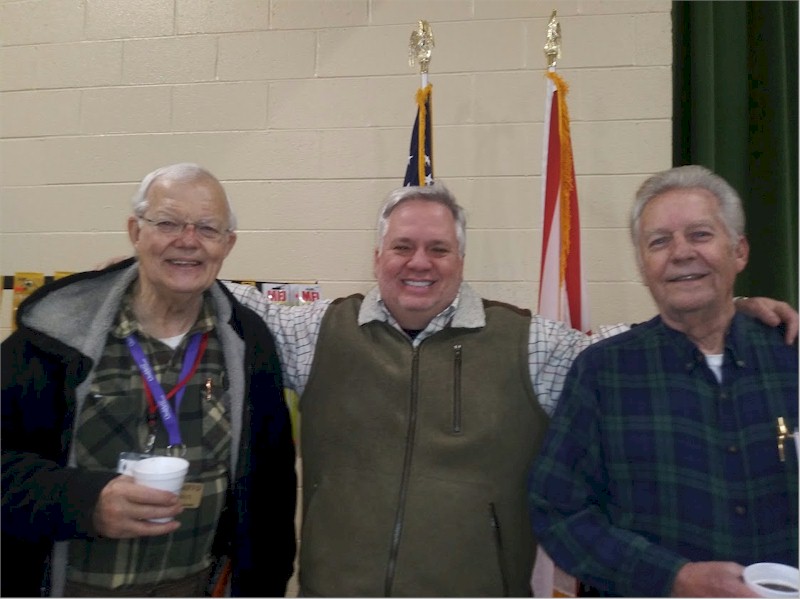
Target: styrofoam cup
{"type": "Point", "coordinates": [772, 580]}
{"type": "Point", "coordinates": [161, 472]}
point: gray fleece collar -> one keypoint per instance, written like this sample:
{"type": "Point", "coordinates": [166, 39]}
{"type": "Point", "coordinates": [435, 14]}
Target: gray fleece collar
{"type": "Point", "coordinates": [468, 307]}
{"type": "Point", "coordinates": [80, 314]}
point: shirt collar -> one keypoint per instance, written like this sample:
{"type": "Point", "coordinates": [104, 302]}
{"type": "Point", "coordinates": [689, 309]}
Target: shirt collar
{"type": "Point", "coordinates": [466, 311]}
{"type": "Point", "coordinates": [734, 343]}
{"type": "Point", "coordinates": [126, 320]}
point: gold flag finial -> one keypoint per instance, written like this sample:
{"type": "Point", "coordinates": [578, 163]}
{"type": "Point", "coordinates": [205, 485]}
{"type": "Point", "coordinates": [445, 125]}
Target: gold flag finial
{"type": "Point", "coordinates": [552, 44]}
{"type": "Point", "coordinates": [420, 46]}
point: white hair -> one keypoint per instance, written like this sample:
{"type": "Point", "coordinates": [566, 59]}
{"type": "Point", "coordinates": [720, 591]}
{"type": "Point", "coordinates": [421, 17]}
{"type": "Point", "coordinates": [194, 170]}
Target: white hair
{"type": "Point", "coordinates": [182, 171]}
{"type": "Point", "coordinates": [691, 177]}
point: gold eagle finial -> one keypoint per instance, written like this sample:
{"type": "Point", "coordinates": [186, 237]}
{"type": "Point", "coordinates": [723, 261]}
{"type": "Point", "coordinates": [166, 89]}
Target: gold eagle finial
{"type": "Point", "coordinates": [420, 46]}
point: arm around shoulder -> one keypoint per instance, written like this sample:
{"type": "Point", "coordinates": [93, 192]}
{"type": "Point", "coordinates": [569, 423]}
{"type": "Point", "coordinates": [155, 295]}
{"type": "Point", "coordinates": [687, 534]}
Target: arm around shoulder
{"type": "Point", "coordinates": [771, 312]}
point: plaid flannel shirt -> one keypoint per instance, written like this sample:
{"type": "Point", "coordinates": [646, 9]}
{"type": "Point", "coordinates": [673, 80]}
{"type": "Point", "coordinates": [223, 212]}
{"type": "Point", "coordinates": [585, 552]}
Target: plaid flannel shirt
{"type": "Point", "coordinates": [649, 462]}
{"type": "Point", "coordinates": [113, 420]}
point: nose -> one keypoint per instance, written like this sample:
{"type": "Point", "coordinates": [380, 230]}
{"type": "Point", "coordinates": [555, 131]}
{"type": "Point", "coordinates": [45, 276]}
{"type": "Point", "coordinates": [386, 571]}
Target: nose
{"type": "Point", "coordinates": [185, 237]}
{"type": "Point", "coordinates": [419, 260]}
{"type": "Point", "coordinates": [682, 249]}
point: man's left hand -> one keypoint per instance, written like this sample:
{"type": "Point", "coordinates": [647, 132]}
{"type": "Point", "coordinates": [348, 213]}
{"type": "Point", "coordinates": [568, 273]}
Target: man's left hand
{"type": "Point", "coordinates": [771, 312]}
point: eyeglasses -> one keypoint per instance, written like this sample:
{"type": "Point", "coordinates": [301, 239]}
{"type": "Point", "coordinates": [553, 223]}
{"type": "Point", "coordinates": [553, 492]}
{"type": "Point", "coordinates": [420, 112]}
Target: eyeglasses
{"type": "Point", "coordinates": [171, 228]}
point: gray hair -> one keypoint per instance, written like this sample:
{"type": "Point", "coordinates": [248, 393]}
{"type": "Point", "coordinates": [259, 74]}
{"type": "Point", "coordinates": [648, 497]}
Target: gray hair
{"type": "Point", "coordinates": [691, 177]}
{"type": "Point", "coordinates": [437, 193]}
{"type": "Point", "coordinates": [183, 171]}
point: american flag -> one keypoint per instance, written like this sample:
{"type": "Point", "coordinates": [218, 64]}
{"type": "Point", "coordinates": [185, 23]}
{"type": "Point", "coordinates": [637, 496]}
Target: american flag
{"type": "Point", "coordinates": [420, 155]}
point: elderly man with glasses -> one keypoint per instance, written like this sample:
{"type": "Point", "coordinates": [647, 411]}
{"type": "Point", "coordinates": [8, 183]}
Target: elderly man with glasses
{"type": "Point", "coordinates": [80, 402]}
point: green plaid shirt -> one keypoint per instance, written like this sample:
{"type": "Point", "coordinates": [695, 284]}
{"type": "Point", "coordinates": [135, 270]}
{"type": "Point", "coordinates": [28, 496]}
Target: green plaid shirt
{"type": "Point", "coordinates": [649, 462]}
{"type": "Point", "coordinates": [114, 420]}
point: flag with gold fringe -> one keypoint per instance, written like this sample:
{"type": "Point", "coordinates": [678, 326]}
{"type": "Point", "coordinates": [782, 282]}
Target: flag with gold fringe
{"type": "Point", "coordinates": [562, 284]}
{"type": "Point", "coordinates": [420, 155]}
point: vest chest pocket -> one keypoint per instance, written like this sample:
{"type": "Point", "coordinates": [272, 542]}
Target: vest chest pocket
{"type": "Point", "coordinates": [457, 426]}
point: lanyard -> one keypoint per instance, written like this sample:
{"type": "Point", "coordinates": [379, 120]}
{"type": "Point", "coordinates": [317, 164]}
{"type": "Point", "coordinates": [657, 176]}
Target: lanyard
{"type": "Point", "coordinates": [155, 393]}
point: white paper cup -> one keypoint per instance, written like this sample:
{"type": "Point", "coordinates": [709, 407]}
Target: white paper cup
{"type": "Point", "coordinates": [161, 472]}
{"type": "Point", "coordinates": [772, 580]}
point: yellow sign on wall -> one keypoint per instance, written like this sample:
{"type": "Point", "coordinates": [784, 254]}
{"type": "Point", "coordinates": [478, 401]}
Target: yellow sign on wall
{"type": "Point", "coordinates": [25, 283]}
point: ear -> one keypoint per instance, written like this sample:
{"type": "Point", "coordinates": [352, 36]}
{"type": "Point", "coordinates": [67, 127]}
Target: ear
{"type": "Point", "coordinates": [134, 230]}
{"type": "Point", "coordinates": [461, 260]}
{"type": "Point", "coordinates": [375, 262]}
{"type": "Point", "coordinates": [230, 242]}
{"type": "Point", "coordinates": [640, 267]}
{"type": "Point", "coordinates": [741, 253]}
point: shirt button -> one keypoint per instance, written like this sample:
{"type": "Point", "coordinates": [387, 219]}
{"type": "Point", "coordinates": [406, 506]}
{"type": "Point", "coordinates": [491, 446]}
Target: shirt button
{"type": "Point", "coordinates": [740, 510]}
{"type": "Point", "coordinates": [733, 449]}
{"type": "Point", "coordinates": [723, 395]}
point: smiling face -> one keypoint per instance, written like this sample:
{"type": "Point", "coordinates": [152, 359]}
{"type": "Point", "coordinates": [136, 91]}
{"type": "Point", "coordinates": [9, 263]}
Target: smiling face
{"type": "Point", "coordinates": [418, 266]}
{"type": "Point", "coordinates": [688, 258]}
{"type": "Point", "coordinates": [183, 266]}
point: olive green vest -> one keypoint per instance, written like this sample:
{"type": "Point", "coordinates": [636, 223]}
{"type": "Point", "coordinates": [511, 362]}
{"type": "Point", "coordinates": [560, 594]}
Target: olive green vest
{"type": "Point", "coordinates": [415, 461]}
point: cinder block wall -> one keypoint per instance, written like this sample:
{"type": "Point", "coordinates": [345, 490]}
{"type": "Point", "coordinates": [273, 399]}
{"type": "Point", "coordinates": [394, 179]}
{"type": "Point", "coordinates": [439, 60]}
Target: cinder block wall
{"type": "Point", "coordinates": [304, 108]}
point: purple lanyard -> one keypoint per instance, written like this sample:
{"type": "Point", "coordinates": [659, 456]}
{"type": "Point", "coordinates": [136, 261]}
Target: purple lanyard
{"type": "Point", "coordinates": [168, 417]}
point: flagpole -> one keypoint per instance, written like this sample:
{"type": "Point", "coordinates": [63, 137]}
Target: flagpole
{"type": "Point", "coordinates": [543, 581]}
{"type": "Point", "coordinates": [419, 170]}
{"type": "Point", "coordinates": [558, 191]}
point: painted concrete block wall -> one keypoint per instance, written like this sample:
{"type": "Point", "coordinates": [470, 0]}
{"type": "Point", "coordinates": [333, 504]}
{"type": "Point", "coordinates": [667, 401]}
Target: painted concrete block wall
{"type": "Point", "coordinates": [304, 108]}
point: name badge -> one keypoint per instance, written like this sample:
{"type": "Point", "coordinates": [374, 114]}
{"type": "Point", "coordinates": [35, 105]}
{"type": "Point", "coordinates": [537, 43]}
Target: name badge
{"type": "Point", "coordinates": [191, 495]}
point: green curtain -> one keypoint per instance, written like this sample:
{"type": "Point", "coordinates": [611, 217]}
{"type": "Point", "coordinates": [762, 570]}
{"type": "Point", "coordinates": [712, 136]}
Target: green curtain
{"type": "Point", "coordinates": [735, 112]}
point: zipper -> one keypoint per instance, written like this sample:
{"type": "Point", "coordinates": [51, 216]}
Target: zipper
{"type": "Point", "coordinates": [457, 389]}
{"type": "Point", "coordinates": [397, 531]}
{"type": "Point", "coordinates": [498, 541]}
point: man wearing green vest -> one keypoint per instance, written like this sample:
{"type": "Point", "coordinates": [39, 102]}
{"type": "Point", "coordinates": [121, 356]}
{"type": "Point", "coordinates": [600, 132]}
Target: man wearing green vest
{"type": "Point", "coordinates": [422, 408]}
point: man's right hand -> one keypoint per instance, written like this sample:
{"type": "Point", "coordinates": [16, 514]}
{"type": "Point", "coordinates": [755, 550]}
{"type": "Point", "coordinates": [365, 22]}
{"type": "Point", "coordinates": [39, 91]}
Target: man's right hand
{"type": "Point", "coordinates": [124, 507]}
{"type": "Point", "coordinates": [711, 579]}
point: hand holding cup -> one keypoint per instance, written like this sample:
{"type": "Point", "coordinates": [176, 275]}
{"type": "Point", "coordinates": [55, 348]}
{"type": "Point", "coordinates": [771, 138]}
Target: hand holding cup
{"type": "Point", "coordinates": [123, 507]}
{"type": "Point", "coordinates": [161, 472]}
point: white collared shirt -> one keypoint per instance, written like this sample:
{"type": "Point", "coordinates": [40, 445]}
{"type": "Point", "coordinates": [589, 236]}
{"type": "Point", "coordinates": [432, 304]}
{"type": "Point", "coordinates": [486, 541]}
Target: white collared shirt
{"type": "Point", "coordinates": [552, 346]}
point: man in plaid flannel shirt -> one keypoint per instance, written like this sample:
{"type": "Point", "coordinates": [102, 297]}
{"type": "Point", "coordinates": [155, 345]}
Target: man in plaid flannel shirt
{"type": "Point", "coordinates": [666, 468]}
